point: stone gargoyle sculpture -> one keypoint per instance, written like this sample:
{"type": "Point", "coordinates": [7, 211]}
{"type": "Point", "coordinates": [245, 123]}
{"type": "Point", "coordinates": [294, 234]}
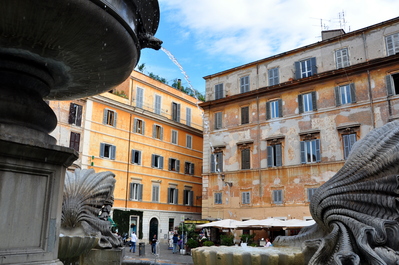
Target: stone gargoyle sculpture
{"type": "Point", "coordinates": [88, 198]}
{"type": "Point", "coordinates": [356, 211]}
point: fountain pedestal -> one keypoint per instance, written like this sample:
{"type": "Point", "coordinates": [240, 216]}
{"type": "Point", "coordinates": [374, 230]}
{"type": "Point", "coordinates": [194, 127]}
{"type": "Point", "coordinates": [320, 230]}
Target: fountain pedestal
{"type": "Point", "coordinates": [31, 185]}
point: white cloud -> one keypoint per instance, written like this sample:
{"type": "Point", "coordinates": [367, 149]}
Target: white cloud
{"type": "Point", "coordinates": [253, 29]}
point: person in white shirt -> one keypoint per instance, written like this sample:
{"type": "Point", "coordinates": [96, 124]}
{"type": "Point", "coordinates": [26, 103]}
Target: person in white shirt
{"type": "Point", "coordinates": [268, 243]}
{"type": "Point", "coordinates": [133, 240]}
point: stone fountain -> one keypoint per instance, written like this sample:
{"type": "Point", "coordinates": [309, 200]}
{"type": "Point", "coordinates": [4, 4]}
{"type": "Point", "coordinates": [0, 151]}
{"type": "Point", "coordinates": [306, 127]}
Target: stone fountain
{"type": "Point", "coordinates": [54, 50]}
{"type": "Point", "coordinates": [356, 214]}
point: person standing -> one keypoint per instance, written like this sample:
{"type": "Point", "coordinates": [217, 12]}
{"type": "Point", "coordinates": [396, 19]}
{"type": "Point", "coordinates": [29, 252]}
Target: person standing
{"type": "Point", "coordinates": [133, 240]}
{"type": "Point", "coordinates": [268, 243]}
{"type": "Point", "coordinates": [175, 242]}
{"type": "Point", "coordinates": [154, 244]}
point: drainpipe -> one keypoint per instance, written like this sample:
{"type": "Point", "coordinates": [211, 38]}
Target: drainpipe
{"type": "Point", "coordinates": [128, 163]}
{"type": "Point", "coordinates": [259, 149]}
{"type": "Point", "coordinates": [371, 98]}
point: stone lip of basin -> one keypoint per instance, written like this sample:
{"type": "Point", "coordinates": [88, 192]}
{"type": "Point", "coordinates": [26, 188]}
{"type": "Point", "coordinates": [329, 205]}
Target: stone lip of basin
{"type": "Point", "coordinates": [247, 255]}
{"type": "Point", "coordinates": [72, 246]}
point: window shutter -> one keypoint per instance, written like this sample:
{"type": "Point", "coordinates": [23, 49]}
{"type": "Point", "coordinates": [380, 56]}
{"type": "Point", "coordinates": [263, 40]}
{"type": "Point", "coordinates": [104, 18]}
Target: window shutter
{"type": "Point", "coordinates": [353, 92]}
{"type": "Point", "coordinates": [346, 145]}
{"type": "Point", "coordinates": [338, 57]}
{"type": "Point", "coordinates": [161, 133]}
{"type": "Point", "coordinates": [169, 198]}
{"type": "Point", "coordinates": [278, 155]}
{"type": "Point", "coordinates": [105, 116]}
{"type": "Point", "coordinates": [313, 65]}
{"type": "Point", "coordinates": [113, 151]}
{"type": "Point", "coordinates": [79, 116]}
{"type": "Point", "coordinates": [314, 100]}
{"type": "Point", "coordinates": [244, 115]}
{"type": "Point", "coordinates": [176, 196]}
{"type": "Point", "coordinates": [388, 80]}
{"type": "Point", "coordinates": [297, 70]}
{"type": "Point", "coordinates": [140, 192]}
{"type": "Point", "coordinates": [139, 154]}
{"type": "Point", "coordinates": [192, 168]}
{"type": "Point", "coordinates": [270, 156]}
{"type": "Point", "coordinates": [143, 127]}
{"type": "Point", "coordinates": [300, 103]}
{"type": "Point", "coordinates": [390, 46]}
{"type": "Point", "coordinates": [177, 165]}
{"type": "Point", "coordinates": [188, 116]}
{"type": "Point", "coordinates": [72, 113]}
{"type": "Point", "coordinates": [131, 190]}
{"type": "Point", "coordinates": [170, 164]}
{"type": "Point", "coordinates": [191, 197]}
{"type": "Point", "coordinates": [132, 154]}
{"type": "Point", "coordinates": [280, 107]}
{"type": "Point", "coordinates": [135, 125]}
{"type": "Point", "coordinates": [152, 160]}
{"type": "Point", "coordinates": [213, 164]}
{"type": "Point", "coordinates": [337, 96]}
{"type": "Point", "coordinates": [178, 113]}
{"type": "Point", "coordinates": [218, 120]}
{"type": "Point", "coordinates": [115, 118]}
{"type": "Point", "coordinates": [154, 131]}
{"type": "Point", "coordinates": [318, 156]}
{"type": "Point", "coordinates": [161, 162]}
{"type": "Point", "coordinates": [220, 161]}
{"type": "Point", "coordinates": [303, 153]}
{"type": "Point", "coordinates": [102, 148]}
{"type": "Point", "coordinates": [245, 160]}
{"type": "Point", "coordinates": [268, 110]}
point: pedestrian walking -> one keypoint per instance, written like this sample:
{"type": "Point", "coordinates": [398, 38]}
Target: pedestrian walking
{"type": "Point", "coordinates": [133, 240]}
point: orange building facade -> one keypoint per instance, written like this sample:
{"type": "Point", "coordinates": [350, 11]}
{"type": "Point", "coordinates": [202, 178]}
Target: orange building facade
{"type": "Point", "coordinates": [278, 128]}
{"type": "Point", "coordinates": [150, 136]}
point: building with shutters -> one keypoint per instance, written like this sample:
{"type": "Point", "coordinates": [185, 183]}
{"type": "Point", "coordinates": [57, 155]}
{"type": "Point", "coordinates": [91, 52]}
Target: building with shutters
{"type": "Point", "coordinates": [150, 136]}
{"type": "Point", "coordinates": [278, 128]}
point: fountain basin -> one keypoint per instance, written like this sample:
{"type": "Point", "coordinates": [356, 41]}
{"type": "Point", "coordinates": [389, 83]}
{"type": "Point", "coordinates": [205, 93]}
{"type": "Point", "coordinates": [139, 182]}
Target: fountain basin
{"type": "Point", "coordinates": [72, 246]}
{"type": "Point", "coordinates": [247, 255]}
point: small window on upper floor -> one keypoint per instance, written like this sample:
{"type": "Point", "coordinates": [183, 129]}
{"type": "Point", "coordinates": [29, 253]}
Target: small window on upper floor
{"type": "Point", "coordinates": [274, 78]}
{"type": "Point", "coordinates": [189, 141]}
{"type": "Point", "coordinates": [175, 111]}
{"type": "Point", "coordinates": [218, 198]}
{"type": "Point", "coordinates": [305, 68]}
{"type": "Point", "coordinates": [307, 102]}
{"type": "Point", "coordinates": [136, 191]}
{"type": "Point", "coordinates": [345, 94]}
{"type": "Point", "coordinates": [348, 141]}
{"type": "Point", "coordinates": [217, 162]}
{"type": "Point", "coordinates": [392, 43]}
{"type": "Point", "coordinates": [188, 196]}
{"type": "Point", "coordinates": [244, 84]}
{"type": "Point", "coordinates": [75, 114]}
{"type": "Point", "coordinates": [107, 151]}
{"type": "Point", "coordinates": [246, 197]}
{"type": "Point", "coordinates": [218, 120]}
{"type": "Point", "coordinates": [157, 132]}
{"type": "Point", "coordinates": [174, 164]}
{"type": "Point", "coordinates": [245, 115]}
{"type": "Point", "coordinates": [342, 58]}
{"type": "Point", "coordinates": [219, 91]}
{"type": "Point", "coordinates": [136, 157]}
{"type": "Point", "coordinates": [189, 168]}
{"type": "Point", "coordinates": [109, 117]}
{"type": "Point", "coordinates": [188, 116]}
{"type": "Point", "coordinates": [310, 148]}
{"type": "Point", "coordinates": [274, 109]}
{"type": "Point", "coordinates": [174, 137]}
{"type": "Point", "coordinates": [138, 126]}
{"type": "Point", "coordinates": [392, 81]}
{"type": "Point", "coordinates": [139, 97]}
{"type": "Point", "coordinates": [158, 104]}
{"type": "Point", "coordinates": [74, 141]}
{"type": "Point", "coordinates": [274, 153]}
{"type": "Point", "coordinates": [157, 161]}
{"type": "Point", "coordinates": [277, 196]}
{"type": "Point", "coordinates": [173, 195]}
{"type": "Point", "coordinates": [246, 158]}
{"type": "Point", "coordinates": [310, 192]}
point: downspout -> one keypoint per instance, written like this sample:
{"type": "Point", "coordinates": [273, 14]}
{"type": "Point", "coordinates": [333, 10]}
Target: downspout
{"type": "Point", "coordinates": [371, 98]}
{"type": "Point", "coordinates": [258, 135]}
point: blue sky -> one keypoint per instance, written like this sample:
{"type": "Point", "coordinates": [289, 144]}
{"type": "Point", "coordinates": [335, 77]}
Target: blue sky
{"type": "Point", "coordinates": [209, 36]}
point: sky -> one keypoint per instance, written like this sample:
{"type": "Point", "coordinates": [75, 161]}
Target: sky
{"type": "Point", "coordinates": [210, 36]}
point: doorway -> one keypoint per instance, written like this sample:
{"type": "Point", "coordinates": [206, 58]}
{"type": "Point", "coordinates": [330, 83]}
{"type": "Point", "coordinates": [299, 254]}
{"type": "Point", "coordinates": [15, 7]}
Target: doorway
{"type": "Point", "coordinates": [153, 228]}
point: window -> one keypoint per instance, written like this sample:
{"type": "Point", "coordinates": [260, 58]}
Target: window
{"type": "Point", "coordinates": [274, 109]}
{"type": "Point", "coordinates": [175, 112]}
{"type": "Point", "coordinates": [342, 58]}
{"type": "Point", "coordinates": [311, 191]}
{"type": "Point", "coordinates": [310, 151]}
{"type": "Point", "coordinates": [75, 114]}
{"type": "Point", "coordinates": [74, 141]}
{"type": "Point", "coordinates": [219, 91]}
{"type": "Point", "coordinates": [305, 68]}
{"type": "Point", "coordinates": [307, 102]}
{"type": "Point", "coordinates": [155, 192]}
{"type": "Point", "coordinates": [244, 84]}
{"type": "Point", "coordinates": [274, 78]}
{"type": "Point", "coordinates": [246, 197]}
{"type": "Point", "coordinates": [136, 191]}
{"type": "Point", "coordinates": [244, 115]}
{"type": "Point", "coordinates": [392, 84]}
{"type": "Point", "coordinates": [392, 42]}
{"type": "Point", "coordinates": [158, 101]}
{"type": "Point", "coordinates": [274, 155]}
{"type": "Point", "coordinates": [277, 196]}
{"type": "Point", "coordinates": [218, 197]}
{"type": "Point", "coordinates": [157, 161]}
{"type": "Point", "coordinates": [345, 94]}
{"type": "Point", "coordinates": [174, 165]}
{"type": "Point", "coordinates": [217, 162]}
{"type": "Point", "coordinates": [138, 126]}
{"type": "Point", "coordinates": [107, 151]}
{"type": "Point", "coordinates": [188, 197]}
{"type": "Point", "coordinates": [348, 140]}
{"type": "Point", "coordinates": [136, 157]}
{"type": "Point", "coordinates": [245, 158]}
{"type": "Point", "coordinates": [189, 141]}
{"type": "Point", "coordinates": [188, 116]}
{"type": "Point", "coordinates": [189, 168]}
{"type": "Point", "coordinates": [139, 97]}
{"type": "Point", "coordinates": [174, 137]}
{"type": "Point", "coordinates": [173, 195]}
{"type": "Point", "coordinates": [157, 132]}
{"type": "Point", "coordinates": [109, 117]}
{"type": "Point", "coordinates": [218, 120]}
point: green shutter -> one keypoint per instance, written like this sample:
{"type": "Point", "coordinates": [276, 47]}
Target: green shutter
{"type": "Point", "coordinates": [300, 103]}
{"type": "Point", "coordinates": [388, 80]}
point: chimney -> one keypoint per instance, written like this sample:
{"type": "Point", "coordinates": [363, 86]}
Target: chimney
{"type": "Point", "coordinates": [328, 34]}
